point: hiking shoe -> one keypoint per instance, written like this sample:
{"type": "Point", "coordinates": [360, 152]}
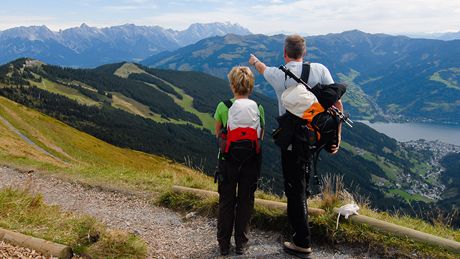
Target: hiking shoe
{"type": "Point", "coordinates": [224, 251]}
{"type": "Point", "coordinates": [239, 250]}
{"type": "Point", "coordinates": [291, 247]}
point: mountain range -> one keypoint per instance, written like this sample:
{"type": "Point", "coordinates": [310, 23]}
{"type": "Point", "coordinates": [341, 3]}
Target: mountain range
{"type": "Point", "coordinates": [437, 36]}
{"type": "Point", "coordinates": [87, 46]}
{"type": "Point", "coordinates": [389, 77]}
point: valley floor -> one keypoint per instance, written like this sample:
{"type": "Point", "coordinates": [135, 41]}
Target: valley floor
{"type": "Point", "coordinates": [167, 233]}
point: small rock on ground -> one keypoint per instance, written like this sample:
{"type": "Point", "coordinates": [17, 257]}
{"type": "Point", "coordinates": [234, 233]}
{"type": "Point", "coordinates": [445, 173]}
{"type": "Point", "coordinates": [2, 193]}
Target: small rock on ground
{"type": "Point", "coordinates": [11, 251]}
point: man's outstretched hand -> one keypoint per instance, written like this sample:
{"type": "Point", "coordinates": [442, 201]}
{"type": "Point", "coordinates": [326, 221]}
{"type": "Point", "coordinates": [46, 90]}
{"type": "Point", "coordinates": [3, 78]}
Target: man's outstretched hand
{"type": "Point", "coordinates": [252, 60]}
{"type": "Point", "coordinates": [259, 65]}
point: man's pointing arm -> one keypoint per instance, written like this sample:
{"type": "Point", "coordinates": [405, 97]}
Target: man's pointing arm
{"type": "Point", "coordinates": [259, 65]}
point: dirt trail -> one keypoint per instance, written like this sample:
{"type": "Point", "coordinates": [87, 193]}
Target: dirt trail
{"type": "Point", "coordinates": [26, 139]}
{"type": "Point", "coordinates": [167, 233]}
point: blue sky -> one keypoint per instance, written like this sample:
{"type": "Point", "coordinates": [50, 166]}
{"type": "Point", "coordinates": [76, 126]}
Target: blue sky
{"type": "Point", "coordinates": [271, 16]}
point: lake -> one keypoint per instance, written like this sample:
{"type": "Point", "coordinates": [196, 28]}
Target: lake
{"type": "Point", "coordinates": [414, 131]}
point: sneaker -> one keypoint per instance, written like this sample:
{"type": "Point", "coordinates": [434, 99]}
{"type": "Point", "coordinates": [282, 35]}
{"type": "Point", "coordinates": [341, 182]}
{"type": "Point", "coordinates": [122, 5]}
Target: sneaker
{"type": "Point", "coordinates": [291, 247]}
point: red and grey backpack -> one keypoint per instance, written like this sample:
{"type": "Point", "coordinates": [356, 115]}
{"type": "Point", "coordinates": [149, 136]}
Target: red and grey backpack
{"type": "Point", "coordinates": [237, 137]}
{"type": "Point", "coordinates": [237, 145]}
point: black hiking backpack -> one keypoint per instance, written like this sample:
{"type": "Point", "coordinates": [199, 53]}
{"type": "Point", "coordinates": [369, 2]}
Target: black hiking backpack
{"type": "Point", "coordinates": [308, 138]}
{"type": "Point", "coordinates": [325, 124]}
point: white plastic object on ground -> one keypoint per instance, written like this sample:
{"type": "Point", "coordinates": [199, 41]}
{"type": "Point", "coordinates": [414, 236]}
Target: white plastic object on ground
{"type": "Point", "coordinates": [347, 210]}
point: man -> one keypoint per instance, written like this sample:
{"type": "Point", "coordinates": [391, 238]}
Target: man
{"type": "Point", "coordinates": [295, 173]}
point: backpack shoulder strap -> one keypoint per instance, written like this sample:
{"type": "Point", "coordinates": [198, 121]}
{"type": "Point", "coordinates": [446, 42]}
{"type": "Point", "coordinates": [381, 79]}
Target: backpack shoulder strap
{"type": "Point", "coordinates": [258, 107]}
{"type": "Point", "coordinates": [228, 103]}
{"type": "Point", "coordinates": [305, 72]}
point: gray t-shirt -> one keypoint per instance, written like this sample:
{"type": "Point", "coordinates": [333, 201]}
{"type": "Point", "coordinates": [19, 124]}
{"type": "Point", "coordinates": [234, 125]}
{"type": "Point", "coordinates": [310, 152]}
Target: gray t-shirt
{"type": "Point", "coordinates": [276, 78]}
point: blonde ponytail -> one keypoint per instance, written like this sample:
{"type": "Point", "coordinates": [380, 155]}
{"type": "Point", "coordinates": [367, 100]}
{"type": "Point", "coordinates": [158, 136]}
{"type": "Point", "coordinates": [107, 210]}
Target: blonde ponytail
{"type": "Point", "coordinates": [241, 80]}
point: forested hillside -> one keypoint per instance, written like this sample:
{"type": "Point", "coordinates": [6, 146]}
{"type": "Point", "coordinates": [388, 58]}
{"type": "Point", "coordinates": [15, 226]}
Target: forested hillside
{"type": "Point", "coordinates": [169, 113]}
{"type": "Point", "coordinates": [451, 177]}
{"type": "Point", "coordinates": [389, 77]}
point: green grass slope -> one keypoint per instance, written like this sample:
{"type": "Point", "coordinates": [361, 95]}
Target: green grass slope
{"type": "Point", "coordinates": [83, 155]}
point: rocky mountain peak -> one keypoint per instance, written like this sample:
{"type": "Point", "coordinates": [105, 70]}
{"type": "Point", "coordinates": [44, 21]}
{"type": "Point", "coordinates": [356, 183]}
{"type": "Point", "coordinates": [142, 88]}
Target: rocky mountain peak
{"type": "Point", "coordinates": [103, 45]}
{"type": "Point", "coordinates": [84, 26]}
{"type": "Point", "coordinates": [30, 33]}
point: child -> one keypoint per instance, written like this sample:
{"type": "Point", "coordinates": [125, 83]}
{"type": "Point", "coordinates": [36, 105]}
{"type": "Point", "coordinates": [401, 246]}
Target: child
{"type": "Point", "coordinates": [243, 120]}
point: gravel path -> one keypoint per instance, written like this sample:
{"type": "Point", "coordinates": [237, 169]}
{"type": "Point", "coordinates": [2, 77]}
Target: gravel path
{"type": "Point", "coordinates": [11, 251]}
{"type": "Point", "coordinates": [167, 233]}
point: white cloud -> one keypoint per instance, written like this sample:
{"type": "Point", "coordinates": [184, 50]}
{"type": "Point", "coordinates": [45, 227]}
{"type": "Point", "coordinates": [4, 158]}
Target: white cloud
{"type": "Point", "coordinates": [128, 7]}
{"type": "Point", "coordinates": [138, 1]}
{"type": "Point", "coordinates": [373, 16]}
{"type": "Point", "coordinates": [302, 16]}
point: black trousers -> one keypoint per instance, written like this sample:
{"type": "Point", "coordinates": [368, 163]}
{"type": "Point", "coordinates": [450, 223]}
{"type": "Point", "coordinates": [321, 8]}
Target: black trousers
{"type": "Point", "coordinates": [236, 201]}
{"type": "Point", "coordinates": [296, 180]}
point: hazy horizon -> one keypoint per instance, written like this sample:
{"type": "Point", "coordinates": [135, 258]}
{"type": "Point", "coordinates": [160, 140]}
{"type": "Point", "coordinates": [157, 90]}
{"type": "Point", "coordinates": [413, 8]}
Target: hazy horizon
{"type": "Point", "coordinates": [410, 34]}
{"type": "Point", "coordinates": [266, 17]}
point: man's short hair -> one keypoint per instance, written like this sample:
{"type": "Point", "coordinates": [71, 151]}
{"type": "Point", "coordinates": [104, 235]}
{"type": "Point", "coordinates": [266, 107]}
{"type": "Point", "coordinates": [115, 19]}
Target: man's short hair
{"type": "Point", "coordinates": [295, 46]}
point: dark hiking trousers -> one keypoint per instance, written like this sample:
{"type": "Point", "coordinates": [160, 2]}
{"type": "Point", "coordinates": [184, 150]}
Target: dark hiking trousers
{"type": "Point", "coordinates": [236, 201]}
{"type": "Point", "coordinates": [296, 180]}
